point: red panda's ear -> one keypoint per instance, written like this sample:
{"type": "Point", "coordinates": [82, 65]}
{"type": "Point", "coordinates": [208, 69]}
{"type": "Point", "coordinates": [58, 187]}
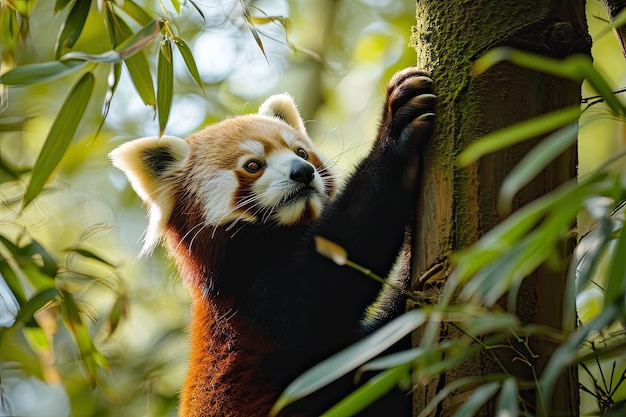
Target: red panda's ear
{"type": "Point", "coordinates": [284, 108]}
{"type": "Point", "coordinates": [151, 165]}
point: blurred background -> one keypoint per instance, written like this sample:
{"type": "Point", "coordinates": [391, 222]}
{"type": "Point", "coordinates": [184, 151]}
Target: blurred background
{"type": "Point", "coordinates": [116, 345]}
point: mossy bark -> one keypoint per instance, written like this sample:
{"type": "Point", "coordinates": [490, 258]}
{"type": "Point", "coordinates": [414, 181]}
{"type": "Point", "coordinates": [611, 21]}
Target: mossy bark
{"type": "Point", "coordinates": [458, 205]}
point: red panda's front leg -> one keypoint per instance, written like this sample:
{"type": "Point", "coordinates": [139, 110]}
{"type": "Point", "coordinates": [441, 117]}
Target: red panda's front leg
{"type": "Point", "coordinates": [369, 217]}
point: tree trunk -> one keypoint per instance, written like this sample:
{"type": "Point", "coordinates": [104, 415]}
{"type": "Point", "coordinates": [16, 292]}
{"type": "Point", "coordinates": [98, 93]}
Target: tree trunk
{"type": "Point", "coordinates": [458, 205]}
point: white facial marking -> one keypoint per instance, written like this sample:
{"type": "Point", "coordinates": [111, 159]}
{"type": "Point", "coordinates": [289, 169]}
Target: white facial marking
{"type": "Point", "coordinates": [219, 193]}
{"type": "Point", "coordinates": [253, 147]}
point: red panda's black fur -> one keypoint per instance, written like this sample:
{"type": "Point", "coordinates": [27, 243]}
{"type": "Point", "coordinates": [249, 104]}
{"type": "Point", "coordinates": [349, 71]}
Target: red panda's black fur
{"type": "Point", "coordinates": [266, 306]}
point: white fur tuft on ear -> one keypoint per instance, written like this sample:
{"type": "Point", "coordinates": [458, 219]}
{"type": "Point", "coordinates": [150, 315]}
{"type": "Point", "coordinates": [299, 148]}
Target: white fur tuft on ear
{"type": "Point", "coordinates": [283, 107]}
{"type": "Point", "coordinates": [151, 165]}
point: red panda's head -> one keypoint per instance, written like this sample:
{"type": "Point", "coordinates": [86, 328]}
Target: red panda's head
{"type": "Point", "coordinates": [254, 168]}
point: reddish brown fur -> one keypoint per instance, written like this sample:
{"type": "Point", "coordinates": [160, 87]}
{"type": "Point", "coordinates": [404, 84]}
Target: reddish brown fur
{"type": "Point", "coordinates": [222, 379]}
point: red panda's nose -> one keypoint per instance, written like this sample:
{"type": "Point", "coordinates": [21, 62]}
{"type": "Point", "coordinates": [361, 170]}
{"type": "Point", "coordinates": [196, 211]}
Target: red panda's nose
{"type": "Point", "coordinates": [301, 172]}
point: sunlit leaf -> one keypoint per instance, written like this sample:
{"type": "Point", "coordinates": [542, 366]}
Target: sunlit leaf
{"type": "Point", "coordinates": [190, 61]}
{"type": "Point", "coordinates": [519, 132]}
{"type": "Point", "coordinates": [331, 250]}
{"type": "Point", "coordinates": [72, 27]}
{"type": "Point", "coordinates": [350, 358]}
{"type": "Point", "coordinates": [59, 136]}
{"type": "Point", "coordinates": [165, 83]}
{"type": "Point", "coordinates": [534, 161]}
{"type": "Point", "coordinates": [40, 73]}
{"type": "Point", "coordinates": [176, 4]}
{"type": "Point", "coordinates": [369, 392]}
{"type": "Point", "coordinates": [138, 14]}
{"type": "Point", "coordinates": [478, 398]}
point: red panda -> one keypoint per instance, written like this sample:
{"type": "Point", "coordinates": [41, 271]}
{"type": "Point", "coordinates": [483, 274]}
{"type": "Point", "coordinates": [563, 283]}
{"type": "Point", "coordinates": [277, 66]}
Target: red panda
{"type": "Point", "coordinates": [238, 205]}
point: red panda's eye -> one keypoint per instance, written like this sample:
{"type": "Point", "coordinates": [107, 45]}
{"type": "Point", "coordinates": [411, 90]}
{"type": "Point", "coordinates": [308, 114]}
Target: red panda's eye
{"type": "Point", "coordinates": [253, 166]}
{"type": "Point", "coordinates": [302, 153]}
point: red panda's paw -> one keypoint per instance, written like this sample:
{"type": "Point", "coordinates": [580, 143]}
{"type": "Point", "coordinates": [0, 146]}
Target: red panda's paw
{"type": "Point", "coordinates": [409, 108]}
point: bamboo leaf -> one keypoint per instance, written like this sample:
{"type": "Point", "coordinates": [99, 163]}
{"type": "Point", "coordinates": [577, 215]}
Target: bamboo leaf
{"type": "Point", "coordinates": [370, 392]}
{"type": "Point", "coordinates": [28, 310]}
{"type": "Point", "coordinates": [507, 404]}
{"type": "Point", "coordinates": [190, 61]}
{"type": "Point", "coordinates": [495, 246]}
{"type": "Point", "coordinates": [567, 353]}
{"type": "Point", "coordinates": [576, 67]}
{"type": "Point", "coordinates": [165, 83]}
{"type": "Point", "coordinates": [59, 136]}
{"type": "Point", "coordinates": [9, 29]}
{"type": "Point", "coordinates": [72, 27]}
{"type": "Point", "coordinates": [60, 5]}
{"type": "Point", "coordinates": [447, 391]}
{"type": "Point", "coordinates": [616, 282]}
{"type": "Point", "coordinates": [396, 359]}
{"type": "Point", "coordinates": [50, 266]}
{"type": "Point", "coordinates": [118, 313]}
{"type": "Point", "coordinates": [534, 161]}
{"type": "Point", "coordinates": [137, 13]}
{"type": "Point", "coordinates": [124, 50]}
{"type": "Point", "coordinates": [590, 248]}
{"type": "Point", "coordinates": [176, 4]}
{"type": "Point", "coordinates": [40, 73]}
{"type": "Point", "coordinates": [478, 398]}
{"type": "Point", "coordinates": [86, 253]}
{"type": "Point", "coordinates": [90, 356]}
{"type": "Point", "coordinates": [518, 132]}
{"type": "Point", "coordinates": [250, 23]}
{"type": "Point", "coordinates": [141, 39]}
{"type": "Point", "coordinates": [139, 71]}
{"type": "Point", "coordinates": [137, 65]}
{"type": "Point", "coordinates": [350, 358]}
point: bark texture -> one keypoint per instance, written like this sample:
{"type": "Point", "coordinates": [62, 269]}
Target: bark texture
{"type": "Point", "coordinates": [458, 205]}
